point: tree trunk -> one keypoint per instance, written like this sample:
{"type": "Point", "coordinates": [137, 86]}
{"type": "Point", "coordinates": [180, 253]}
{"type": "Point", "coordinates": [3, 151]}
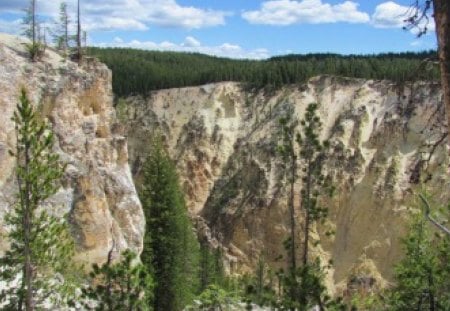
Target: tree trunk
{"type": "Point", "coordinates": [29, 305]}
{"type": "Point", "coordinates": [442, 19]}
{"type": "Point", "coordinates": [78, 34]}
{"type": "Point", "coordinates": [292, 214]}
{"type": "Point", "coordinates": [306, 207]}
{"type": "Point", "coordinates": [293, 289]}
{"type": "Point", "coordinates": [33, 23]}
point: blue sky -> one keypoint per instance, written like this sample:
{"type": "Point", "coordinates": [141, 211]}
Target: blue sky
{"type": "Point", "coordinates": [237, 28]}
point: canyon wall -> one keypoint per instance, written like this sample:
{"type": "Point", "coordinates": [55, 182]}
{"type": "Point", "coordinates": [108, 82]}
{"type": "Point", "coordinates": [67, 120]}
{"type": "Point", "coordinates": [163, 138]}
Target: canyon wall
{"type": "Point", "coordinates": [387, 144]}
{"type": "Point", "coordinates": [97, 191]}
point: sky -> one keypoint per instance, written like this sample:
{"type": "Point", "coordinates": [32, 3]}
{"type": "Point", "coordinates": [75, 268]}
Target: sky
{"type": "Point", "coordinates": [255, 29]}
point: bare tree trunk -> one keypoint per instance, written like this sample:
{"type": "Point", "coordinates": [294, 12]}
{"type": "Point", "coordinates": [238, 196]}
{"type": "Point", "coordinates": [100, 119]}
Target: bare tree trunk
{"type": "Point", "coordinates": [33, 23]}
{"type": "Point", "coordinates": [79, 34]}
{"type": "Point", "coordinates": [442, 19]}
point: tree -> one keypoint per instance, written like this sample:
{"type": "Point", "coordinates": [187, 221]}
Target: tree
{"type": "Point", "coordinates": [215, 298]}
{"type": "Point", "coordinates": [418, 18]}
{"type": "Point", "coordinates": [79, 53]}
{"type": "Point", "coordinates": [259, 287]}
{"type": "Point", "coordinates": [210, 266]}
{"type": "Point", "coordinates": [125, 285]}
{"type": "Point", "coordinates": [31, 32]}
{"type": "Point", "coordinates": [170, 247]}
{"type": "Point", "coordinates": [61, 37]}
{"type": "Point", "coordinates": [287, 150]}
{"type": "Point", "coordinates": [41, 246]}
{"type": "Point", "coordinates": [303, 286]}
{"type": "Point", "coordinates": [423, 275]}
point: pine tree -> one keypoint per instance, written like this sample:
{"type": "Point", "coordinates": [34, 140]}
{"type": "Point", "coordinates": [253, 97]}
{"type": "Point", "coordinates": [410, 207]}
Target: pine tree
{"type": "Point", "coordinates": [303, 286]}
{"type": "Point", "coordinates": [170, 247]}
{"type": "Point", "coordinates": [79, 52]}
{"type": "Point", "coordinates": [126, 285]}
{"type": "Point", "coordinates": [35, 48]}
{"type": "Point", "coordinates": [211, 270]}
{"type": "Point", "coordinates": [423, 275]}
{"type": "Point", "coordinates": [41, 246]}
{"type": "Point", "coordinates": [61, 36]}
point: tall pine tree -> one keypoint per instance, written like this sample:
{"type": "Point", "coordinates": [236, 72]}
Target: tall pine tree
{"type": "Point", "coordinates": [170, 247]}
{"type": "Point", "coordinates": [303, 284]}
{"type": "Point", "coordinates": [41, 246]}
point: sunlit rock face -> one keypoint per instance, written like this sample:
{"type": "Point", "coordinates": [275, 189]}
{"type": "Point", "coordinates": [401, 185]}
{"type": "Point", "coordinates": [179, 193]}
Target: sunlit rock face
{"type": "Point", "coordinates": [97, 189]}
{"type": "Point", "coordinates": [385, 138]}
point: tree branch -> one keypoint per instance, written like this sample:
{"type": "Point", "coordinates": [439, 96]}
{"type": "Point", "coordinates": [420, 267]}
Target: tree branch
{"type": "Point", "coordinates": [431, 219]}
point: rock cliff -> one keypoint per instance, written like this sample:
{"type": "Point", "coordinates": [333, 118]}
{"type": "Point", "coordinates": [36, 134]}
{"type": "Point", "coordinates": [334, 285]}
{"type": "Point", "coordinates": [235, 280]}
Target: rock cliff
{"type": "Point", "coordinates": [98, 191]}
{"type": "Point", "coordinates": [385, 138]}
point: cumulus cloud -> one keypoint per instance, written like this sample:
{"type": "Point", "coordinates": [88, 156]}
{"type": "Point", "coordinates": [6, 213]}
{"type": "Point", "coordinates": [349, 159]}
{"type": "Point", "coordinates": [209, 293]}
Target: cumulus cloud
{"type": "Point", "coordinates": [128, 14]}
{"type": "Point", "coordinates": [288, 12]}
{"type": "Point", "coordinates": [389, 15]}
{"type": "Point", "coordinates": [392, 15]}
{"type": "Point", "coordinates": [191, 44]}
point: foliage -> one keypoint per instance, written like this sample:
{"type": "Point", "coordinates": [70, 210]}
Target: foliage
{"type": "Point", "coordinates": [125, 285]}
{"type": "Point", "coordinates": [302, 287]}
{"type": "Point", "coordinates": [210, 267]}
{"type": "Point", "coordinates": [215, 297]}
{"type": "Point", "coordinates": [170, 246]}
{"type": "Point", "coordinates": [423, 276]}
{"type": "Point", "coordinates": [259, 288]}
{"type": "Point", "coordinates": [139, 72]}
{"type": "Point", "coordinates": [35, 48]}
{"type": "Point", "coordinates": [309, 291]}
{"type": "Point", "coordinates": [61, 34]}
{"type": "Point", "coordinates": [41, 246]}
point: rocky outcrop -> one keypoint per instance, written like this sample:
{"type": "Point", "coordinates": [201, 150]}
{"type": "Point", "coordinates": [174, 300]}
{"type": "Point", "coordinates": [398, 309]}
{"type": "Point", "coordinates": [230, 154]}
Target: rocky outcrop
{"type": "Point", "coordinates": [98, 192]}
{"type": "Point", "coordinates": [385, 140]}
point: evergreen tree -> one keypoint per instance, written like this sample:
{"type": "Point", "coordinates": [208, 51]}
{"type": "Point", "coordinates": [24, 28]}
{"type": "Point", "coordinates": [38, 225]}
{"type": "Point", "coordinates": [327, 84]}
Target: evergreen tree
{"type": "Point", "coordinates": [41, 247]}
{"type": "Point", "coordinates": [125, 285]}
{"type": "Point", "coordinates": [287, 150]}
{"type": "Point", "coordinates": [35, 48]}
{"type": "Point", "coordinates": [211, 271]}
{"type": "Point", "coordinates": [423, 275]}
{"type": "Point", "coordinates": [259, 288]}
{"type": "Point", "coordinates": [303, 286]}
{"type": "Point", "coordinates": [170, 246]}
{"type": "Point", "coordinates": [79, 52]}
{"type": "Point", "coordinates": [61, 36]}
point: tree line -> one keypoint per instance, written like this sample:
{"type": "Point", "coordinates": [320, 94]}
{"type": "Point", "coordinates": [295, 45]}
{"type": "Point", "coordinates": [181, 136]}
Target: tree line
{"type": "Point", "coordinates": [140, 72]}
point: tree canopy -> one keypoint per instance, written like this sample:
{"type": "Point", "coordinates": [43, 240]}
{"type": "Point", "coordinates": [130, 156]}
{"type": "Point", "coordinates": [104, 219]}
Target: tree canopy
{"type": "Point", "coordinates": [137, 72]}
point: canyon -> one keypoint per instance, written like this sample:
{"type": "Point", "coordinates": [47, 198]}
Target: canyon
{"type": "Point", "coordinates": [387, 144]}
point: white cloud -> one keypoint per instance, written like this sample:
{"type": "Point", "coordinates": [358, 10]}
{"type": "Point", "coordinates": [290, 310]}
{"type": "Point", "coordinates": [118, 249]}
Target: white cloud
{"type": "Point", "coordinates": [392, 15]}
{"type": "Point", "coordinates": [127, 14]}
{"type": "Point", "coordinates": [389, 15]}
{"type": "Point", "coordinates": [191, 44]}
{"type": "Point", "coordinates": [288, 12]}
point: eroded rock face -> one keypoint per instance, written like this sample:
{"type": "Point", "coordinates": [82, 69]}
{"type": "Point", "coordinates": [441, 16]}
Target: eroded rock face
{"type": "Point", "coordinates": [224, 141]}
{"type": "Point", "coordinates": [98, 191]}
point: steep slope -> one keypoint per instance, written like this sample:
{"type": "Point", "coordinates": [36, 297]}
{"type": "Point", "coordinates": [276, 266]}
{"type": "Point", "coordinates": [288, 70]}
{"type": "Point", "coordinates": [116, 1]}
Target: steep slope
{"type": "Point", "coordinates": [98, 191]}
{"type": "Point", "coordinates": [384, 137]}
